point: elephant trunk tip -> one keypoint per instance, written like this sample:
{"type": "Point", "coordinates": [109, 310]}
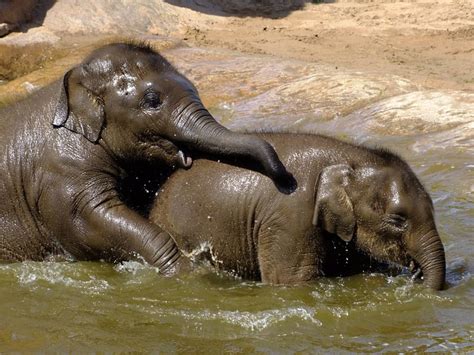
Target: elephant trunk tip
{"type": "Point", "coordinates": [433, 262]}
{"type": "Point", "coordinates": [285, 182]}
{"type": "Point", "coordinates": [216, 139]}
{"type": "Point", "coordinates": [436, 280]}
{"type": "Point", "coordinates": [274, 168]}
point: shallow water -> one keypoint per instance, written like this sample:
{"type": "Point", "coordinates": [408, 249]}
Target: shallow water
{"type": "Point", "coordinates": [96, 306]}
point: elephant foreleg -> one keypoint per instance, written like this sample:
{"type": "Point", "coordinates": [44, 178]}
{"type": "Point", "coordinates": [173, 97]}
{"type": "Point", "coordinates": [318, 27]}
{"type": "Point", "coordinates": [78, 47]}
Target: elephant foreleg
{"type": "Point", "coordinates": [301, 265]}
{"type": "Point", "coordinates": [129, 235]}
{"type": "Point", "coordinates": [103, 227]}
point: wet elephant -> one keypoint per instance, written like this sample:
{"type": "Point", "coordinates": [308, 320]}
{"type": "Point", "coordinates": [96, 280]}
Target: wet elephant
{"type": "Point", "coordinates": [351, 202]}
{"type": "Point", "coordinates": [65, 148]}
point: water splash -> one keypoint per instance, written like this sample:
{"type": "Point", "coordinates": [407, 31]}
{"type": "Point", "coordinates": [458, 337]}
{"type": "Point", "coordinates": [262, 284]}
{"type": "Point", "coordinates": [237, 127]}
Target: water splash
{"type": "Point", "coordinates": [256, 321]}
{"type": "Point", "coordinates": [134, 267]}
{"type": "Point", "coordinates": [37, 274]}
{"type": "Point", "coordinates": [203, 252]}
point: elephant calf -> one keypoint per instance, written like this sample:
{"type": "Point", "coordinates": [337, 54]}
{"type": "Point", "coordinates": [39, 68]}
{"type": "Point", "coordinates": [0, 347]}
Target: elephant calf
{"type": "Point", "coordinates": [351, 202]}
{"type": "Point", "coordinates": [65, 150]}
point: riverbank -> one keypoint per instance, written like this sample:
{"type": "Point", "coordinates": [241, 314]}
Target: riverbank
{"type": "Point", "coordinates": [429, 42]}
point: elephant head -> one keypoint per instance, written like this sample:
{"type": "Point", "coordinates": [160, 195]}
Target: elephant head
{"type": "Point", "coordinates": [131, 101]}
{"type": "Point", "coordinates": [384, 208]}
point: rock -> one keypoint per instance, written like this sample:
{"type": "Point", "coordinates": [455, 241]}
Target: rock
{"type": "Point", "coordinates": [116, 17]}
{"type": "Point", "coordinates": [64, 56]}
{"type": "Point", "coordinates": [259, 7]}
{"type": "Point", "coordinates": [419, 112]}
{"type": "Point", "coordinates": [32, 37]}
{"type": "Point", "coordinates": [264, 91]}
{"type": "Point", "coordinates": [14, 13]}
{"type": "Point", "coordinates": [5, 29]}
{"type": "Point", "coordinates": [429, 120]}
{"type": "Point", "coordinates": [246, 92]}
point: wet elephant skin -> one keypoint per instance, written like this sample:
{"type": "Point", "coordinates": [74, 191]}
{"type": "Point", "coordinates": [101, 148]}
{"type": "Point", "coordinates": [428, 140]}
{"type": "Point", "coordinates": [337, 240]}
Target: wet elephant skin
{"type": "Point", "coordinates": [65, 148]}
{"type": "Point", "coordinates": [353, 204]}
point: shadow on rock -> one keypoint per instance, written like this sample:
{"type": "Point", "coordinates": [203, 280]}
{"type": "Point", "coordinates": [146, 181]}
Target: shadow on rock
{"type": "Point", "coordinates": [243, 8]}
{"type": "Point", "coordinates": [20, 15]}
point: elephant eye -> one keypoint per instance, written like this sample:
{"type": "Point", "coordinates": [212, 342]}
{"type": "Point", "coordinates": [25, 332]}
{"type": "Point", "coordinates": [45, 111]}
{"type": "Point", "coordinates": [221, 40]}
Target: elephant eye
{"type": "Point", "coordinates": [397, 221]}
{"type": "Point", "coordinates": [151, 100]}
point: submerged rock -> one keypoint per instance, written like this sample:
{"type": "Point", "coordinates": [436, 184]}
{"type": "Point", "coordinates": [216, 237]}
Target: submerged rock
{"type": "Point", "coordinates": [421, 112]}
{"type": "Point", "coordinates": [253, 91]}
{"type": "Point", "coordinates": [435, 119]}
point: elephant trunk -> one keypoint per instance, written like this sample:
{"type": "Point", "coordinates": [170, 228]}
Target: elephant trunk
{"type": "Point", "coordinates": [431, 258]}
{"type": "Point", "coordinates": [202, 132]}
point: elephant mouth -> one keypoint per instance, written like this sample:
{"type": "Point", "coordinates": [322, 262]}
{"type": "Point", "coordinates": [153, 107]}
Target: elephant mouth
{"type": "Point", "coordinates": [158, 148]}
{"type": "Point", "coordinates": [173, 155]}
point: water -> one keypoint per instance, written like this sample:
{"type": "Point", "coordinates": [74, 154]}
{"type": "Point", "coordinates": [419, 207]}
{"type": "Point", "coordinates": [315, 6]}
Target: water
{"type": "Point", "coordinates": [93, 306]}
{"type": "Point", "coordinates": [87, 306]}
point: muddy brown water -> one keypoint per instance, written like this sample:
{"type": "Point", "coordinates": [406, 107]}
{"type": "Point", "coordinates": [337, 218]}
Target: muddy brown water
{"type": "Point", "coordinates": [88, 306]}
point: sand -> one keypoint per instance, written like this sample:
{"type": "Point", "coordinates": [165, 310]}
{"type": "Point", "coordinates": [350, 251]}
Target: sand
{"type": "Point", "coordinates": [429, 42]}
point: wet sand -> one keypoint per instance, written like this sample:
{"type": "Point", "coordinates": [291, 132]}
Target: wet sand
{"type": "Point", "coordinates": [429, 42]}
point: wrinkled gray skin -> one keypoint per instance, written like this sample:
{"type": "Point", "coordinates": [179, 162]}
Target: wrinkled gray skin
{"type": "Point", "coordinates": [368, 198]}
{"type": "Point", "coordinates": [65, 149]}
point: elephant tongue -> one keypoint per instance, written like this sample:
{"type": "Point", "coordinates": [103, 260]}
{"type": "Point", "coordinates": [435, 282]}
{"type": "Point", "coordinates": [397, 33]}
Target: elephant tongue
{"type": "Point", "coordinates": [185, 161]}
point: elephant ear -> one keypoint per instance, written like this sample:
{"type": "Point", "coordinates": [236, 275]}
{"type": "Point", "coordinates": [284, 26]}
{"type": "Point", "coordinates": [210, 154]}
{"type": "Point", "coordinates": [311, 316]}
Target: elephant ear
{"type": "Point", "coordinates": [78, 109]}
{"type": "Point", "coordinates": [333, 209]}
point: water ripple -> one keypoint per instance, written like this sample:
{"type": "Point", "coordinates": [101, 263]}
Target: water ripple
{"type": "Point", "coordinates": [257, 321]}
{"type": "Point", "coordinates": [37, 274]}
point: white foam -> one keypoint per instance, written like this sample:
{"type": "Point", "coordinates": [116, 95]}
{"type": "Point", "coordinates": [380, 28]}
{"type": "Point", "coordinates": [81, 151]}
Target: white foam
{"type": "Point", "coordinates": [33, 274]}
{"type": "Point", "coordinates": [255, 321]}
{"type": "Point", "coordinates": [133, 267]}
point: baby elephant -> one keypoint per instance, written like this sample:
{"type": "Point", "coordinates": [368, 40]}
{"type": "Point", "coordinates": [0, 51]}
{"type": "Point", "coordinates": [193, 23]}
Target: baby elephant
{"type": "Point", "coordinates": [352, 204]}
{"type": "Point", "coordinates": [66, 149]}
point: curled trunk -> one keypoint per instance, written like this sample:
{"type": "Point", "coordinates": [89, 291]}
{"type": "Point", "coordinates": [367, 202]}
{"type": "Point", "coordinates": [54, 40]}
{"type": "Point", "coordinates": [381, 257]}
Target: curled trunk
{"type": "Point", "coordinates": [431, 258]}
{"type": "Point", "coordinates": [204, 133]}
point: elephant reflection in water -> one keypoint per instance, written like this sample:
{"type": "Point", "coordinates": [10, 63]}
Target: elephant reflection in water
{"type": "Point", "coordinates": [352, 204]}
